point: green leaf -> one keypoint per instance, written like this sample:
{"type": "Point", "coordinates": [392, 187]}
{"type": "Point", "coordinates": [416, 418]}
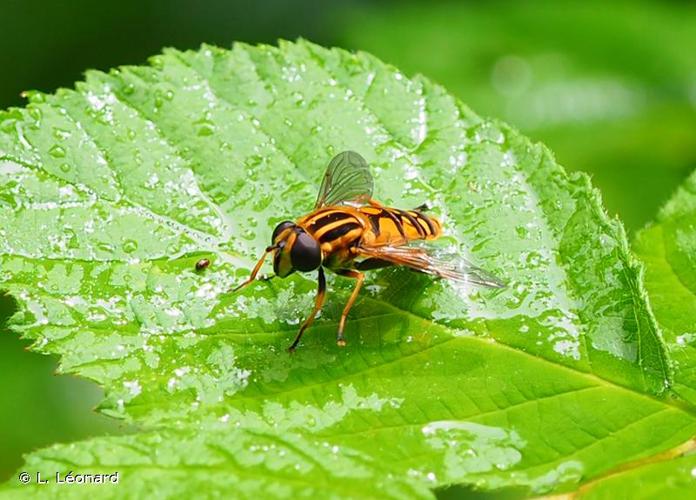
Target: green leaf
{"type": "Point", "coordinates": [113, 192]}
{"type": "Point", "coordinates": [668, 479]}
{"type": "Point", "coordinates": [668, 248]}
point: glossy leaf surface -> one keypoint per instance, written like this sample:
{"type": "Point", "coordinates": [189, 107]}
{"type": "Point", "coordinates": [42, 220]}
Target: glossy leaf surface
{"type": "Point", "coordinates": [113, 191]}
{"type": "Point", "coordinates": [668, 248]}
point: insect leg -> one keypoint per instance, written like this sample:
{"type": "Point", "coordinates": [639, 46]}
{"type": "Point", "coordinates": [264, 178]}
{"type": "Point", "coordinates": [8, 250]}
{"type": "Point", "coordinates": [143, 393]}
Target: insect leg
{"type": "Point", "coordinates": [255, 271]}
{"type": "Point", "coordinates": [340, 340]}
{"type": "Point", "coordinates": [319, 301]}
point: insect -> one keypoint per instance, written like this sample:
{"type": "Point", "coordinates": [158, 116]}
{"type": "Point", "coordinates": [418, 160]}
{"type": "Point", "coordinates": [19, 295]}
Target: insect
{"type": "Point", "coordinates": [348, 232]}
{"type": "Point", "coordinates": [202, 264]}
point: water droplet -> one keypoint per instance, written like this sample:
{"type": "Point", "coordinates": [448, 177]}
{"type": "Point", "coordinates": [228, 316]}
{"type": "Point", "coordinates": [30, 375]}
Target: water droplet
{"type": "Point", "coordinates": [533, 259]}
{"type": "Point", "coordinates": [129, 246]}
{"type": "Point", "coordinates": [254, 160]}
{"type": "Point", "coordinates": [129, 89]}
{"type": "Point", "coordinates": [60, 133]}
{"type": "Point", "coordinates": [64, 167]}
{"type": "Point", "coordinates": [522, 232]}
{"type": "Point", "coordinates": [57, 151]}
{"type": "Point", "coordinates": [204, 127]}
{"type": "Point", "coordinates": [105, 247]}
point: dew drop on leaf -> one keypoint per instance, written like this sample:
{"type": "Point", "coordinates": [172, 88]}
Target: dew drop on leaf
{"type": "Point", "coordinates": [129, 246]}
{"type": "Point", "coordinates": [57, 151]}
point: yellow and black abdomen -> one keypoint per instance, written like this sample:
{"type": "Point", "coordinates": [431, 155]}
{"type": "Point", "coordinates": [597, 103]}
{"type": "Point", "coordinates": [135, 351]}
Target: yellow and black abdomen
{"type": "Point", "coordinates": [333, 228]}
{"type": "Point", "coordinates": [392, 226]}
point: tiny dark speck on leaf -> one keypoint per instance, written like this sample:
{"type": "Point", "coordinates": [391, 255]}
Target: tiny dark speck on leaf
{"type": "Point", "coordinates": [202, 264]}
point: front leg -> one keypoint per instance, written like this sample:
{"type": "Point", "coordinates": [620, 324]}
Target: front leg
{"type": "Point", "coordinates": [256, 269]}
{"type": "Point", "coordinates": [319, 301]}
{"type": "Point", "coordinates": [360, 277]}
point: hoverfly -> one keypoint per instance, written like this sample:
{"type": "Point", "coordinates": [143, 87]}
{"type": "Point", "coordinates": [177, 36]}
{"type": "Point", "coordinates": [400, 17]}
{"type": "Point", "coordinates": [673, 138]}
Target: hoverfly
{"type": "Point", "coordinates": [348, 232]}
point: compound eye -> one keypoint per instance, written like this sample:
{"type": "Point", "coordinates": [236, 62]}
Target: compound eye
{"type": "Point", "coordinates": [280, 228]}
{"type": "Point", "coordinates": [305, 254]}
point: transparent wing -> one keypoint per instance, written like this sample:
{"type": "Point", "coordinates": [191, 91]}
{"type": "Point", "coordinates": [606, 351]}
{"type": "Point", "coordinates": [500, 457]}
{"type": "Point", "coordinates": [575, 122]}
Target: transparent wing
{"type": "Point", "coordinates": [451, 267]}
{"type": "Point", "coordinates": [347, 179]}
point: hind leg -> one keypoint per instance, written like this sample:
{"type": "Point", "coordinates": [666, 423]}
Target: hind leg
{"type": "Point", "coordinates": [360, 277]}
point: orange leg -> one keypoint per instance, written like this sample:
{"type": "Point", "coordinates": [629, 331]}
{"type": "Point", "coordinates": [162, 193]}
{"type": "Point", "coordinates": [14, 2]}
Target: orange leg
{"type": "Point", "coordinates": [340, 340]}
{"type": "Point", "coordinates": [319, 301]}
{"type": "Point", "coordinates": [255, 271]}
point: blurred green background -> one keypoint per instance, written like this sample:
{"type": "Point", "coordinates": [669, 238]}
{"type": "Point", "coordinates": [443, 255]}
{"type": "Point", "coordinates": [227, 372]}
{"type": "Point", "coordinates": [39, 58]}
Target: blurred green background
{"type": "Point", "coordinates": [610, 87]}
